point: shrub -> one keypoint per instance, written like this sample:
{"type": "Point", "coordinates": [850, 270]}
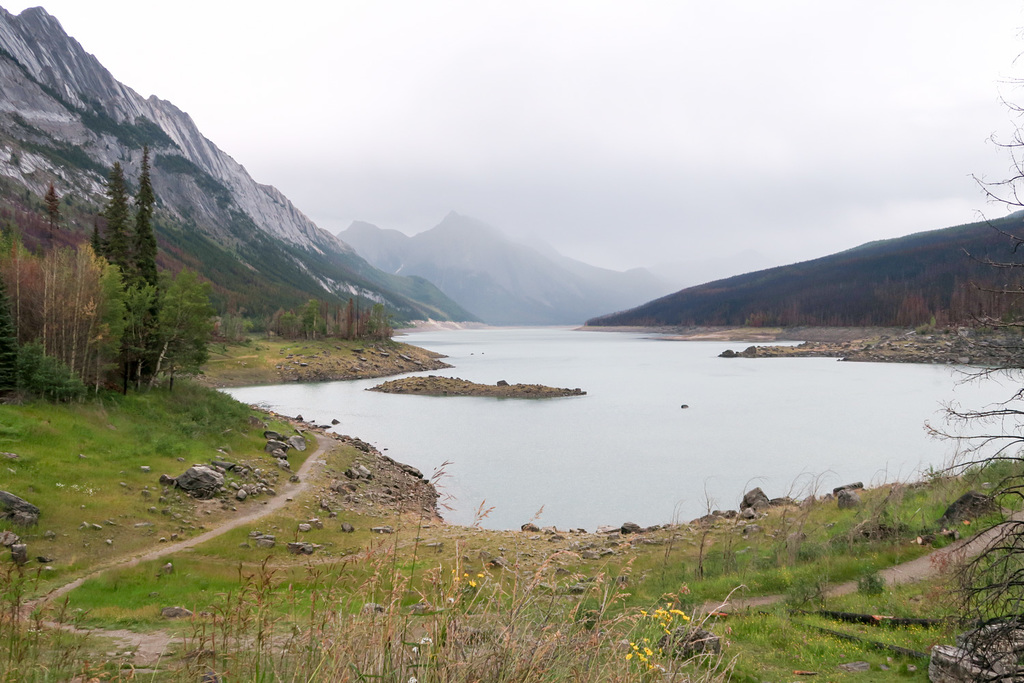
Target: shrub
{"type": "Point", "coordinates": [46, 377]}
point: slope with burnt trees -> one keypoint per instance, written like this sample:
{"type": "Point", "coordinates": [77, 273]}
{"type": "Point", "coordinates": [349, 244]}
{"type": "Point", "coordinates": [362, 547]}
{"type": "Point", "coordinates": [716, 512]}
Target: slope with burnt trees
{"type": "Point", "coordinates": [936, 276]}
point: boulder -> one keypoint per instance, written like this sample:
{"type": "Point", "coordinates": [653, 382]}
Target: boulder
{"type": "Point", "coordinates": [530, 527]}
{"type": "Point", "coordinates": [200, 481]}
{"type": "Point", "coordinates": [686, 641]}
{"type": "Point", "coordinates": [8, 538]}
{"type": "Point", "coordinates": [847, 499]}
{"type": "Point", "coordinates": [297, 442]}
{"type": "Point", "coordinates": [265, 542]}
{"type": "Point", "coordinates": [19, 511]}
{"type": "Point", "coordinates": [502, 383]}
{"type": "Point", "coordinates": [301, 548]}
{"type": "Point", "coordinates": [971, 505]}
{"type": "Point", "coordinates": [175, 613]}
{"type": "Point", "coordinates": [630, 528]}
{"type": "Point", "coordinates": [274, 445]}
{"type": "Point", "coordinates": [347, 528]}
{"type": "Point", "coordinates": [755, 499]}
{"type": "Point", "coordinates": [270, 434]}
{"type": "Point", "coordinates": [748, 513]}
{"type": "Point", "coordinates": [848, 487]}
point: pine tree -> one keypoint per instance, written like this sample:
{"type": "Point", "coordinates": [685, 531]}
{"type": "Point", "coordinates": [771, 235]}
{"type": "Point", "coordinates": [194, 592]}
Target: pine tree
{"type": "Point", "coordinates": [52, 208]}
{"type": "Point", "coordinates": [145, 240]}
{"type": "Point", "coordinates": [97, 241]}
{"type": "Point", "coordinates": [8, 346]}
{"type": "Point", "coordinates": [117, 248]}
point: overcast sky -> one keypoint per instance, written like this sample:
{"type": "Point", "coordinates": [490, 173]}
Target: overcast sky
{"type": "Point", "coordinates": [622, 133]}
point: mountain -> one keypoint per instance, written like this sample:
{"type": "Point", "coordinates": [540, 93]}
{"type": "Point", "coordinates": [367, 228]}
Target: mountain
{"type": "Point", "coordinates": [501, 281]}
{"type": "Point", "coordinates": [899, 282]}
{"type": "Point", "coordinates": [65, 119]}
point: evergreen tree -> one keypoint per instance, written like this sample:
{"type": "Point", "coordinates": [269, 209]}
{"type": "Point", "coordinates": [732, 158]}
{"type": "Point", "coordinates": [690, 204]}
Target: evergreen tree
{"type": "Point", "coordinates": [97, 241]}
{"type": "Point", "coordinates": [8, 346]}
{"type": "Point", "coordinates": [145, 240]}
{"type": "Point", "coordinates": [117, 247]}
{"type": "Point", "coordinates": [52, 208]}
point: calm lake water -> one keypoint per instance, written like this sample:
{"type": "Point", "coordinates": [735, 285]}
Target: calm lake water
{"type": "Point", "coordinates": [626, 451]}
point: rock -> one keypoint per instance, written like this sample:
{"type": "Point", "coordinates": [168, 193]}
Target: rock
{"type": "Point", "coordinates": [847, 487]}
{"type": "Point", "coordinates": [755, 499]}
{"type": "Point", "coordinates": [728, 353]}
{"type": "Point", "coordinates": [256, 422]}
{"type": "Point", "coordinates": [19, 553]}
{"type": "Point", "coordinates": [50, 535]}
{"type": "Point", "coordinates": [301, 548]}
{"type": "Point", "coordinates": [223, 463]}
{"type": "Point", "coordinates": [590, 555]}
{"type": "Point", "coordinates": [686, 641]}
{"type": "Point", "coordinates": [18, 511]}
{"type": "Point", "coordinates": [43, 559]}
{"type": "Point", "coordinates": [279, 454]}
{"type": "Point", "coordinates": [500, 562]}
{"type": "Point", "coordinates": [175, 613]}
{"type": "Point", "coordinates": [275, 445]}
{"type": "Point", "coordinates": [335, 422]}
{"type": "Point", "coordinates": [241, 495]}
{"type": "Point", "coordinates": [283, 464]}
{"type": "Point", "coordinates": [847, 499]}
{"type": "Point", "coordinates": [304, 527]}
{"type": "Point", "coordinates": [167, 480]}
{"type": "Point", "coordinates": [297, 442]}
{"type": "Point", "coordinates": [971, 505]}
{"type": "Point", "coordinates": [751, 529]}
{"type": "Point", "coordinates": [382, 530]}
{"type": "Point", "coordinates": [988, 653]}
{"type": "Point", "coordinates": [265, 542]}
{"type": "Point", "coordinates": [316, 523]}
{"type": "Point", "coordinates": [855, 666]}
{"type": "Point", "coordinates": [167, 569]}
{"type": "Point", "coordinates": [144, 468]}
{"type": "Point", "coordinates": [8, 538]}
{"type": "Point", "coordinates": [272, 435]}
{"type": "Point", "coordinates": [200, 481]}
{"type": "Point", "coordinates": [530, 527]}
{"type": "Point", "coordinates": [630, 528]}
{"type": "Point", "coordinates": [502, 383]}
{"type": "Point", "coordinates": [748, 513]}
{"type": "Point", "coordinates": [373, 608]}
{"type": "Point", "coordinates": [347, 528]}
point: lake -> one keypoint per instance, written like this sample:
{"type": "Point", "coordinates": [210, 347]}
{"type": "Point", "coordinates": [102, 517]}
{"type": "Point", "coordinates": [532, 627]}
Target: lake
{"type": "Point", "coordinates": [627, 451]}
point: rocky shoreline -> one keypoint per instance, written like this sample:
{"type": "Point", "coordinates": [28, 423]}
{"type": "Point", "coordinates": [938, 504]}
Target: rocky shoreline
{"type": "Point", "coordinates": [964, 346]}
{"type": "Point", "coordinates": [432, 385]}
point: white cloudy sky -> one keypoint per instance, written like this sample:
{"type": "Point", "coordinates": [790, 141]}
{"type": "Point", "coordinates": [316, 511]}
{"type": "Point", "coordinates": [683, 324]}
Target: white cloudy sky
{"type": "Point", "coordinates": [623, 133]}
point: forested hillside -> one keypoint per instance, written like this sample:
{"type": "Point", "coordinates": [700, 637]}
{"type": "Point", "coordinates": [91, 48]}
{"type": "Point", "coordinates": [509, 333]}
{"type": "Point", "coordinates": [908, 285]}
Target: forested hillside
{"type": "Point", "coordinates": [941, 276]}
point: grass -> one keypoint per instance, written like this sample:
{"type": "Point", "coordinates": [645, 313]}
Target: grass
{"type": "Point", "coordinates": [447, 612]}
{"type": "Point", "coordinates": [276, 360]}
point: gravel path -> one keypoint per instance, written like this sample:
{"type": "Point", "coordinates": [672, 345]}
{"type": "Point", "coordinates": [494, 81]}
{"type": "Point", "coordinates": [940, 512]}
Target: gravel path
{"type": "Point", "coordinates": [150, 647]}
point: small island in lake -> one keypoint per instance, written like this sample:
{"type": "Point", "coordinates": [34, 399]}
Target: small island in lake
{"type": "Point", "coordinates": [433, 385]}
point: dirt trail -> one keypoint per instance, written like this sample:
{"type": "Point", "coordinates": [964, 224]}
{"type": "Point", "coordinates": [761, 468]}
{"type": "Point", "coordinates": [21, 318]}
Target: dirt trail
{"type": "Point", "coordinates": [149, 647]}
{"type": "Point", "coordinates": [925, 567]}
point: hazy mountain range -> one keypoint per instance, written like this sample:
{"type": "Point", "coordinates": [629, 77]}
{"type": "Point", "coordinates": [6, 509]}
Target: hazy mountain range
{"type": "Point", "coordinates": [501, 281]}
{"type": "Point", "coordinates": [65, 119]}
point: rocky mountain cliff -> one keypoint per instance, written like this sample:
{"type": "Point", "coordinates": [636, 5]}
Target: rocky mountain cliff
{"type": "Point", "coordinates": [501, 281]}
{"type": "Point", "coordinates": [65, 119]}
